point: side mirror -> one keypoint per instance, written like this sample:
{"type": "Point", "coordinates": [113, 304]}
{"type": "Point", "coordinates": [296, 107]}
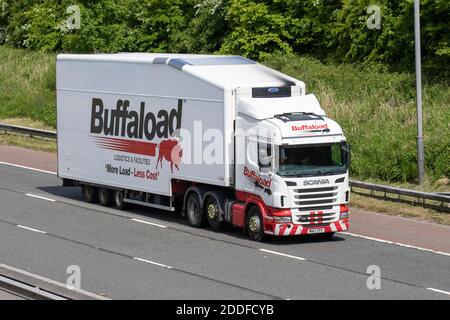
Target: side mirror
{"type": "Point", "coordinates": [348, 150]}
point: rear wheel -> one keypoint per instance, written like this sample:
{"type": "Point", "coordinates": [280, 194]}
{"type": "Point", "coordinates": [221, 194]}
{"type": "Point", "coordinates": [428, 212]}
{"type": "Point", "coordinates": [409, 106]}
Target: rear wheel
{"type": "Point", "coordinates": [194, 212]}
{"type": "Point", "coordinates": [104, 197]}
{"type": "Point", "coordinates": [119, 200]}
{"type": "Point", "coordinates": [212, 209]}
{"type": "Point", "coordinates": [90, 194]}
{"type": "Point", "coordinates": [254, 224]}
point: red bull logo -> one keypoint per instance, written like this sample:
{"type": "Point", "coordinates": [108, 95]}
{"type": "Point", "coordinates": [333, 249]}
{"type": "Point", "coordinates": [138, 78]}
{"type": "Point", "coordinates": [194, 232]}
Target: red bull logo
{"type": "Point", "coordinates": [171, 151]}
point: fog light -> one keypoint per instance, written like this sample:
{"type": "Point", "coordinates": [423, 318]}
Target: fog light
{"type": "Point", "coordinates": [344, 211]}
{"type": "Point", "coordinates": [282, 219]}
{"type": "Point", "coordinates": [344, 215]}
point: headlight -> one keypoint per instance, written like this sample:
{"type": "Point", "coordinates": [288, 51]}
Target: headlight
{"type": "Point", "coordinates": [282, 219]}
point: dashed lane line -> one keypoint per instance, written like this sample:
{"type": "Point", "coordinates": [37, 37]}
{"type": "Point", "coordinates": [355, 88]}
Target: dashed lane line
{"type": "Point", "coordinates": [149, 223]}
{"type": "Point", "coordinates": [31, 229]}
{"type": "Point", "coordinates": [282, 254]}
{"type": "Point", "coordinates": [39, 197]}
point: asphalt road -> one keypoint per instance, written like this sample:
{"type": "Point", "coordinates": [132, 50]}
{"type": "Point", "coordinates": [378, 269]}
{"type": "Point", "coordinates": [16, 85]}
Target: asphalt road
{"type": "Point", "coordinates": [122, 258]}
{"type": "Point", "coordinates": [5, 295]}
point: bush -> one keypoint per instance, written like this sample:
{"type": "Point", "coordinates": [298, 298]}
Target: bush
{"type": "Point", "coordinates": [334, 30]}
{"type": "Point", "coordinates": [106, 25]}
{"type": "Point", "coordinates": [378, 113]}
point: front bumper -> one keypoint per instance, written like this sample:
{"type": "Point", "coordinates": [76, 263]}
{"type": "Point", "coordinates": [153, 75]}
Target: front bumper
{"type": "Point", "coordinates": [289, 229]}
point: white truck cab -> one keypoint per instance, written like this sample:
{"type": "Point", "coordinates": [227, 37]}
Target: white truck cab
{"type": "Point", "coordinates": [296, 163]}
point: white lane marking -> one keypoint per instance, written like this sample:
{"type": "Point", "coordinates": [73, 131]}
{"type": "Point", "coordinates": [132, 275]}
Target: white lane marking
{"type": "Point", "coordinates": [40, 197]}
{"type": "Point", "coordinates": [439, 291]}
{"type": "Point", "coordinates": [283, 254]}
{"type": "Point", "coordinates": [149, 223]}
{"type": "Point", "coordinates": [367, 238]}
{"type": "Point", "coordinates": [31, 229]}
{"type": "Point", "coordinates": [28, 168]}
{"type": "Point", "coordinates": [395, 243]}
{"type": "Point", "coordinates": [443, 253]}
{"type": "Point", "coordinates": [53, 282]}
{"type": "Point", "coordinates": [153, 263]}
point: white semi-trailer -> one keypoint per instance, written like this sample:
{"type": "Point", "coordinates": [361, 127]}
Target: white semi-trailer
{"type": "Point", "coordinates": [222, 138]}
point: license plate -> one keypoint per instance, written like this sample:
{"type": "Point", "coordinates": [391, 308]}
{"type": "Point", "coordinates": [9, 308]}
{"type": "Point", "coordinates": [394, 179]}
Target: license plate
{"type": "Point", "coordinates": [317, 230]}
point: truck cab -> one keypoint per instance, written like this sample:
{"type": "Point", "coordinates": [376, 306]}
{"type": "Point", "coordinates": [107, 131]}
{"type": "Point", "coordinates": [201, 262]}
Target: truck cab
{"type": "Point", "coordinates": [292, 165]}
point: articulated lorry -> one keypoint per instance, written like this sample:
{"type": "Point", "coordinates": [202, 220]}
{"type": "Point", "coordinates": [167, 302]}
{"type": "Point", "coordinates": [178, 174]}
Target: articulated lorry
{"type": "Point", "coordinates": [222, 139]}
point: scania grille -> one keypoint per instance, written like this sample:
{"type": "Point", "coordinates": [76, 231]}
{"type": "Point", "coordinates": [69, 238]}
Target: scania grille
{"type": "Point", "coordinates": [315, 196]}
{"type": "Point", "coordinates": [315, 218]}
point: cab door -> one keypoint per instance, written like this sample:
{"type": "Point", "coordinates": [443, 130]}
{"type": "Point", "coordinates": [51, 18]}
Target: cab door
{"type": "Point", "coordinates": [254, 173]}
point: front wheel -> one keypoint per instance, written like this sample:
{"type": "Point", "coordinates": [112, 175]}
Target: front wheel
{"type": "Point", "coordinates": [254, 224]}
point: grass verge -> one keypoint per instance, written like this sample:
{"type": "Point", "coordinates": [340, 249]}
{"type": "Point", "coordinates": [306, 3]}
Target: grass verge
{"type": "Point", "coordinates": [399, 209]}
{"type": "Point", "coordinates": [27, 142]}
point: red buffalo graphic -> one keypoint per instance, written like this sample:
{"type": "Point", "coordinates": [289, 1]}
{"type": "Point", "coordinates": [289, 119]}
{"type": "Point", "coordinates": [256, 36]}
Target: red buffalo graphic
{"type": "Point", "coordinates": [171, 151]}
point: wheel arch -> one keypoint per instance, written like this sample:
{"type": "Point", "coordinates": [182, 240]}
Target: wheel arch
{"type": "Point", "coordinates": [255, 203]}
{"type": "Point", "coordinates": [199, 191]}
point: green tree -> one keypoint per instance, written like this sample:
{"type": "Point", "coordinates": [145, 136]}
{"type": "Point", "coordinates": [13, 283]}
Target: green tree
{"type": "Point", "coordinates": [206, 27]}
{"type": "Point", "coordinates": [256, 30]}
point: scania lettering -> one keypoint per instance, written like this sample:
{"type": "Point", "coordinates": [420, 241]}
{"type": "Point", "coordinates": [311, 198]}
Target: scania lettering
{"type": "Point", "coordinates": [315, 182]}
{"type": "Point", "coordinates": [221, 138]}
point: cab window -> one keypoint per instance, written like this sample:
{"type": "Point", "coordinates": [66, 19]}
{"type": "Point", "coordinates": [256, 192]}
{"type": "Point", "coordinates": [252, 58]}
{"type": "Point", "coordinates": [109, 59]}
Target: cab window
{"type": "Point", "coordinates": [265, 155]}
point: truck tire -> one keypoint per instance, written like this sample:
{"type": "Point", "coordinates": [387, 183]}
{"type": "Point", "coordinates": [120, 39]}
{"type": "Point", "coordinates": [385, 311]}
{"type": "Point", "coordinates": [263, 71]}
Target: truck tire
{"type": "Point", "coordinates": [194, 212]}
{"type": "Point", "coordinates": [104, 197]}
{"type": "Point", "coordinates": [212, 212]}
{"type": "Point", "coordinates": [90, 194]}
{"type": "Point", "coordinates": [119, 200]}
{"type": "Point", "coordinates": [254, 224]}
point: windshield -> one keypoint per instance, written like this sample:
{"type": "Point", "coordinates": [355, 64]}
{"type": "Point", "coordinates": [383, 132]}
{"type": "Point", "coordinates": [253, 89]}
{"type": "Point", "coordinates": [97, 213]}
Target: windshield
{"type": "Point", "coordinates": [313, 160]}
